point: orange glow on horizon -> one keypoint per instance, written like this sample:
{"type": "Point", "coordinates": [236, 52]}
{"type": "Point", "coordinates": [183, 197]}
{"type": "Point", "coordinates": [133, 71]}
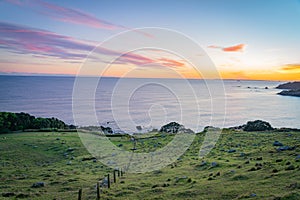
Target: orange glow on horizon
{"type": "Point", "coordinates": [289, 72]}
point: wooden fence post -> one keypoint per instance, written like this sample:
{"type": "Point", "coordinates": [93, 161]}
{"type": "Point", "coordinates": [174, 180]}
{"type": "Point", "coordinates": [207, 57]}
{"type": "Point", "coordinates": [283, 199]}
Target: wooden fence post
{"type": "Point", "coordinates": [115, 176]}
{"type": "Point", "coordinates": [108, 181]}
{"type": "Point", "coordinates": [79, 194]}
{"type": "Point", "coordinates": [98, 191]}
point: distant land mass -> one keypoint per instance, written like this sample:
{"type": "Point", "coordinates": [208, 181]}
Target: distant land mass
{"type": "Point", "coordinates": [10, 122]}
{"type": "Point", "coordinates": [290, 89]}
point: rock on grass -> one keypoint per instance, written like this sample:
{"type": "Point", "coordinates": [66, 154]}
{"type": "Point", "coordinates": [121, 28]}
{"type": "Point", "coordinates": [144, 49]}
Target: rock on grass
{"type": "Point", "coordinates": [38, 185]}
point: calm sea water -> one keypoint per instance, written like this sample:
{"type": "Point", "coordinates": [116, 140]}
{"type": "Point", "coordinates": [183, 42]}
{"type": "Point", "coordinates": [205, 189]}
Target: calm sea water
{"type": "Point", "coordinates": [124, 104]}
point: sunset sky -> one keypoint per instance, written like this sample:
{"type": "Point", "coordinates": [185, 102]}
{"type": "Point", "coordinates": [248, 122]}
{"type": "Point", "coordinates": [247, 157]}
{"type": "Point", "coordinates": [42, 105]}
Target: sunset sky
{"type": "Point", "coordinates": [245, 39]}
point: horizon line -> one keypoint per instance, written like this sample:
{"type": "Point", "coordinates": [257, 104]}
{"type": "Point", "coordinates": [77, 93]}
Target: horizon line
{"type": "Point", "coordinates": [94, 76]}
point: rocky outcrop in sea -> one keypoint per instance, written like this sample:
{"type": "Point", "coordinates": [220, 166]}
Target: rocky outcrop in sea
{"type": "Point", "coordinates": [290, 89]}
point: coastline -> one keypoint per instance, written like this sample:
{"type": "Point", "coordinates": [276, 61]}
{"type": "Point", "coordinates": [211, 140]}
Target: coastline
{"type": "Point", "coordinates": [244, 99]}
{"type": "Point", "coordinates": [289, 89]}
{"type": "Point", "coordinates": [24, 122]}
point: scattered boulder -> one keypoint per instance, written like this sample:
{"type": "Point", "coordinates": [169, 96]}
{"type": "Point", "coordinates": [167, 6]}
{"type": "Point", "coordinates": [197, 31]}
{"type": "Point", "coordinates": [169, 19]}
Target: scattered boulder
{"type": "Point", "coordinates": [253, 195]}
{"type": "Point", "coordinates": [38, 185]}
{"type": "Point", "coordinates": [231, 151]}
{"type": "Point", "coordinates": [257, 125]}
{"type": "Point", "coordinates": [139, 128]}
{"type": "Point", "coordinates": [285, 148]}
{"type": "Point", "coordinates": [214, 164]}
{"type": "Point", "coordinates": [277, 144]}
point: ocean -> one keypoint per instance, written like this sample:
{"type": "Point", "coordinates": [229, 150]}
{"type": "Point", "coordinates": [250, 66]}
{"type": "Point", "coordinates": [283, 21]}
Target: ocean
{"type": "Point", "coordinates": [123, 104]}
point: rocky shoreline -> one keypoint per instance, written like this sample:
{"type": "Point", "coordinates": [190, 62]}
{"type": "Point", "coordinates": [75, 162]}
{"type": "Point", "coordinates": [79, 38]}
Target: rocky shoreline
{"type": "Point", "coordinates": [290, 89]}
{"type": "Point", "coordinates": [22, 124]}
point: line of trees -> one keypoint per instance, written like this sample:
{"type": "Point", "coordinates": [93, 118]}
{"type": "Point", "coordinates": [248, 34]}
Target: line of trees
{"type": "Point", "coordinates": [21, 121]}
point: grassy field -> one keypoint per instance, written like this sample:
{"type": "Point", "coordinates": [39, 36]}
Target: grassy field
{"type": "Point", "coordinates": [242, 165]}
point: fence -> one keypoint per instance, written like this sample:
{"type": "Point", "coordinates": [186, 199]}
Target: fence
{"type": "Point", "coordinates": [115, 174]}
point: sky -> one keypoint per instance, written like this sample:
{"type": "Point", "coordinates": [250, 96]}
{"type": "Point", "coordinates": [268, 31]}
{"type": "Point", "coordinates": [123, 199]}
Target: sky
{"type": "Point", "coordinates": [245, 39]}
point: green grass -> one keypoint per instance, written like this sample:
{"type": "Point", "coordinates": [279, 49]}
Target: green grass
{"type": "Point", "coordinates": [254, 171]}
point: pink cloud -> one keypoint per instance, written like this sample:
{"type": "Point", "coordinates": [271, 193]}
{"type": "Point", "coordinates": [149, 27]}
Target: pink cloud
{"type": "Point", "coordinates": [215, 47]}
{"type": "Point", "coordinates": [72, 16]}
{"type": "Point", "coordinates": [64, 14]}
{"type": "Point", "coordinates": [171, 63]}
{"type": "Point", "coordinates": [239, 47]}
{"type": "Point", "coordinates": [23, 40]}
{"type": "Point", "coordinates": [235, 48]}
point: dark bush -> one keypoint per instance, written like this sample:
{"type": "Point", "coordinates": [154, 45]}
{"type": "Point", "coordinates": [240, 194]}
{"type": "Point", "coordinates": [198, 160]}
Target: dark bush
{"type": "Point", "coordinates": [21, 121]}
{"type": "Point", "coordinates": [258, 125]}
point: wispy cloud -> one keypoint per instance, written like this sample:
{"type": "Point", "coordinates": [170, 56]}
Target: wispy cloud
{"type": "Point", "coordinates": [235, 48]}
{"type": "Point", "coordinates": [135, 59]}
{"type": "Point", "coordinates": [291, 67]}
{"type": "Point", "coordinates": [142, 60]}
{"type": "Point", "coordinates": [171, 62]}
{"type": "Point", "coordinates": [70, 15]}
{"type": "Point", "coordinates": [64, 14]}
{"type": "Point", "coordinates": [239, 47]}
{"type": "Point", "coordinates": [23, 40]}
